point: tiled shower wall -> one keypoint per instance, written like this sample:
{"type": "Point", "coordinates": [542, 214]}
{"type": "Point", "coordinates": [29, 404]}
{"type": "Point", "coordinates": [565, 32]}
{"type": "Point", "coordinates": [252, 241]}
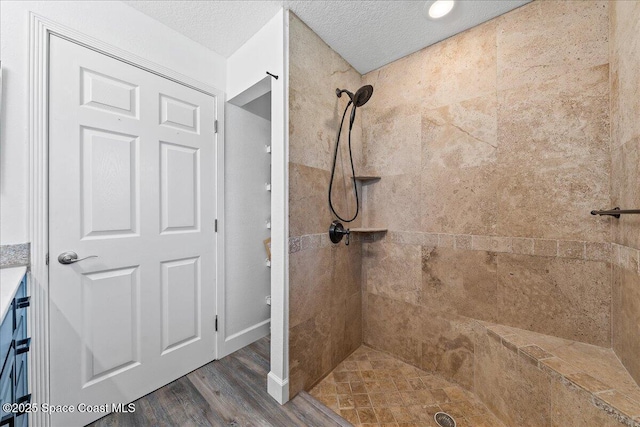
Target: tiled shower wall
{"type": "Point", "coordinates": [325, 299]}
{"type": "Point", "coordinates": [493, 147]}
{"type": "Point", "coordinates": [625, 179]}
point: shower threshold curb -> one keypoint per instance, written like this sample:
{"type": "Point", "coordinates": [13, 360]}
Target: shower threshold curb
{"type": "Point", "coordinates": [324, 409]}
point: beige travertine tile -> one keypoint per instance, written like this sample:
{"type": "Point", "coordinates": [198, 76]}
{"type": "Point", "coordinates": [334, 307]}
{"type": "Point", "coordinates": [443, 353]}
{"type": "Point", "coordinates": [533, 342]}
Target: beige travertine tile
{"type": "Point", "coordinates": [463, 242]}
{"type": "Point", "coordinates": [514, 341]}
{"type": "Point", "coordinates": [315, 71]}
{"type": "Point", "coordinates": [361, 401]}
{"type": "Point", "coordinates": [465, 67]}
{"type": "Point", "coordinates": [392, 144]}
{"type": "Point", "coordinates": [482, 243]}
{"type": "Point", "coordinates": [350, 415]}
{"type": "Point", "coordinates": [393, 271]}
{"type": "Point", "coordinates": [571, 249]}
{"type": "Point", "coordinates": [409, 238]}
{"type": "Point", "coordinates": [522, 245]}
{"type": "Point", "coordinates": [459, 68]}
{"type": "Point", "coordinates": [554, 157]}
{"type": "Point", "coordinates": [533, 354]}
{"type": "Point", "coordinates": [627, 257]}
{"type": "Point", "coordinates": [324, 283]}
{"type": "Point", "coordinates": [480, 421]}
{"type": "Point", "coordinates": [392, 326]}
{"type": "Point", "coordinates": [626, 319]}
{"type": "Point", "coordinates": [587, 382]}
{"type": "Point", "coordinates": [347, 272]}
{"type": "Point", "coordinates": [544, 247]}
{"type": "Point", "coordinates": [459, 201]}
{"type": "Point", "coordinates": [354, 326]}
{"type": "Point", "coordinates": [513, 389]}
{"type": "Point", "coordinates": [598, 251]}
{"type": "Point", "coordinates": [556, 366]}
{"type": "Point", "coordinates": [448, 347]}
{"type": "Point", "coordinates": [417, 406]}
{"type": "Point", "coordinates": [556, 296]}
{"type": "Point", "coordinates": [552, 344]}
{"type": "Point", "coordinates": [324, 279]}
{"type": "Point", "coordinates": [625, 50]}
{"type": "Point", "coordinates": [599, 362]}
{"type": "Point", "coordinates": [341, 388]}
{"type": "Point", "coordinates": [337, 337]}
{"type": "Point", "coordinates": [394, 203]}
{"type": "Point", "coordinates": [572, 407]}
{"type": "Point", "coordinates": [326, 388]}
{"type": "Point", "coordinates": [385, 415]}
{"type": "Point", "coordinates": [312, 130]}
{"type": "Point", "coordinates": [620, 402]}
{"type": "Point", "coordinates": [458, 167]}
{"type": "Point", "coordinates": [548, 39]}
{"type": "Point", "coordinates": [469, 289]}
{"type": "Point", "coordinates": [625, 192]}
{"type": "Point", "coordinates": [461, 135]}
{"type": "Point", "coordinates": [308, 210]}
{"type": "Point", "coordinates": [309, 357]}
{"type": "Point", "coordinates": [367, 415]}
{"type": "Point", "coordinates": [445, 241]}
{"type": "Point", "coordinates": [310, 285]}
{"type": "Point", "coordinates": [457, 394]}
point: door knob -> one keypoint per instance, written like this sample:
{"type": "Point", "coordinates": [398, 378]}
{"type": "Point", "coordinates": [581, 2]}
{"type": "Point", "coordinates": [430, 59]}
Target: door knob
{"type": "Point", "coordinates": [72, 257]}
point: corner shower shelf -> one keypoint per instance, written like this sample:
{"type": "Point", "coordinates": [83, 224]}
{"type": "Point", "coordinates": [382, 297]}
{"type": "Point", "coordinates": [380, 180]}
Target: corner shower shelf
{"type": "Point", "coordinates": [368, 230]}
{"type": "Point", "coordinates": [366, 179]}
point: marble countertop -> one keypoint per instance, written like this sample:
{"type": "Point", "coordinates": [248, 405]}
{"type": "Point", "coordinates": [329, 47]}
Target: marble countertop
{"type": "Point", "coordinates": [9, 281]}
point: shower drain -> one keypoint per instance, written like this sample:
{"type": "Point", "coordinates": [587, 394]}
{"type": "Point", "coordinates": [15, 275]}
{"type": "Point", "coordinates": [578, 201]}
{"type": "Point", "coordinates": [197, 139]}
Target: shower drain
{"type": "Point", "coordinates": [444, 420]}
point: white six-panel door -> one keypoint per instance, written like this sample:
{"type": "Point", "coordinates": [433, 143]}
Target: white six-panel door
{"type": "Point", "coordinates": [132, 172]}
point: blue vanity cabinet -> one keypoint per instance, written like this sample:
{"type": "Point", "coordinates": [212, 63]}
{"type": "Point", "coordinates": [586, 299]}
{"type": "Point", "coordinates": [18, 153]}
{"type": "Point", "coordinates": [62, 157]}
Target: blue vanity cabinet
{"type": "Point", "coordinates": [14, 348]}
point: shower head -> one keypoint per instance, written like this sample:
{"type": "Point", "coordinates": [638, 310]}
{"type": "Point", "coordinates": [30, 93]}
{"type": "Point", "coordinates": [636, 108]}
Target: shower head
{"type": "Point", "coordinates": [361, 96]}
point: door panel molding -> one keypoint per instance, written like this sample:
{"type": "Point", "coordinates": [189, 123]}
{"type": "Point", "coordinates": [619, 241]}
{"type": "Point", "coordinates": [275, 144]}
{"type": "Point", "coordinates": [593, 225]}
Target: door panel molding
{"type": "Point", "coordinates": [40, 30]}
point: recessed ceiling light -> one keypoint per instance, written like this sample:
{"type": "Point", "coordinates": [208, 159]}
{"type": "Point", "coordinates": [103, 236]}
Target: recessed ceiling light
{"type": "Point", "coordinates": [440, 8]}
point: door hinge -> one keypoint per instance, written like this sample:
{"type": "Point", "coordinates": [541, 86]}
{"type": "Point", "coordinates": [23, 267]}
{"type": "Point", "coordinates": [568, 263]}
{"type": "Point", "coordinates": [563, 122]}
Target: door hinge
{"type": "Point", "coordinates": [46, 259]}
{"type": "Point", "coordinates": [215, 126]}
{"type": "Point", "coordinates": [216, 323]}
{"type": "Point", "coordinates": [215, 225]}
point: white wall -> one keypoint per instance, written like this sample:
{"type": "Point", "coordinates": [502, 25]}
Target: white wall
{"type": "Point", "coordinates": [110, 21]}
{"type": "Point", "coordinates": [266, 51]}
{"type": "Point", "coordinates": [261, 53]}
{"type": "Point", "coordinates": [247, 208]}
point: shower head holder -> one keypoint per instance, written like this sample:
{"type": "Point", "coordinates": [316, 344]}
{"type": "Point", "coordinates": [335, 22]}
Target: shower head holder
{"type": "Point", "coordinates": [337, 232]}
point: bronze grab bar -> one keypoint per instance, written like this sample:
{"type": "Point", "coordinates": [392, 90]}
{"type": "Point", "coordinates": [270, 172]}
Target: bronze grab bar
{"type": "Point", "coordinates": [616, 212]}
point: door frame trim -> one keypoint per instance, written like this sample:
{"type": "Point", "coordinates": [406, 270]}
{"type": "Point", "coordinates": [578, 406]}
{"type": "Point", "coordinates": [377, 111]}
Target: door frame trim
{"type": "Point", "coordinates": [40, 30]}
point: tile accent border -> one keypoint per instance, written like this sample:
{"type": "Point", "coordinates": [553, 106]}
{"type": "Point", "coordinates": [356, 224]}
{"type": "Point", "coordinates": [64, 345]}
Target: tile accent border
{"type": "Point", "coordinates": [15, 255]}
{"type": "Point", "coordinates": [321, 240]}
{"type": "Point", "coordinates": [622, 256]}
{"type": "Point", "coordinates": [593, 251]}
{"type": "Point", "coordinates": [603, 396]}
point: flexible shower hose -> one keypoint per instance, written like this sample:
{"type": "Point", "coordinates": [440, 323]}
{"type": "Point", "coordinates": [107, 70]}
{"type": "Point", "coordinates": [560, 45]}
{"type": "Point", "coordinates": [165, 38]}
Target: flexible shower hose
{"type": "Point", "coordinates": [353, 172]}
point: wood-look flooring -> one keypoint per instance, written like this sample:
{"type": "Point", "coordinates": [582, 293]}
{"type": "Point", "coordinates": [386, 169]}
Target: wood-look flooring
{"type": "Point", "coordinates": [227, 392]}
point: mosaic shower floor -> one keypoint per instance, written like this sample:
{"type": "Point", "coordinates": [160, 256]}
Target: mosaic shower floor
{"type": "Point", "coordinates": [371, 388]}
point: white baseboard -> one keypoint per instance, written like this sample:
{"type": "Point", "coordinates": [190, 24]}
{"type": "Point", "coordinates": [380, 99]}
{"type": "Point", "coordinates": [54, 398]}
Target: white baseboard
{"type": "Point", "coordinates": [245, 337]}
{"type": "Point", "coordinates": [277, 388]}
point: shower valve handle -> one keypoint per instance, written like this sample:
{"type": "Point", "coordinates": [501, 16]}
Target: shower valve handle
{"type": "Point", "coordinates": [337, 232]}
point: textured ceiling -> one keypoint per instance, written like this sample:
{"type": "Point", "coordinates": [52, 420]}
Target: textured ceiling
{"type": "Point", "coordinates": [222, 26]}
{"type": "Point", "coordinates": [367, 33]}
{"type": "Point", "coordinates": [370, 34]}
